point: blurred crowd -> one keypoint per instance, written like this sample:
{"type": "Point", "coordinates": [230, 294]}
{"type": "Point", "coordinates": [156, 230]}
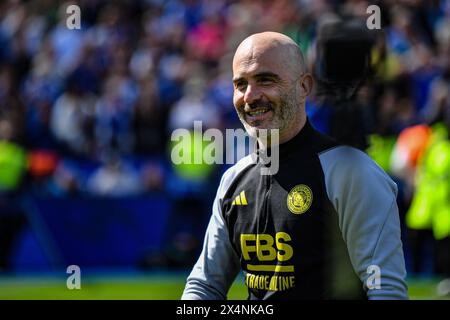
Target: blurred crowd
{"type": "Point", "coordinates": [91, 111]}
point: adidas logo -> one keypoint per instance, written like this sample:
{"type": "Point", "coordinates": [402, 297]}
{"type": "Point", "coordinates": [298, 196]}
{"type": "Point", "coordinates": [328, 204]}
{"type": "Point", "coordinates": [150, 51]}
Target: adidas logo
{"type": "Point", "coordinates": [240, 200]}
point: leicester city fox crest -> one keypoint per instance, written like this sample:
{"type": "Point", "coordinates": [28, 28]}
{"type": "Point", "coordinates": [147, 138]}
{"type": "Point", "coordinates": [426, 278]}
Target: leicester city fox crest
{"type": "Point", "coordinates": [299, 199]}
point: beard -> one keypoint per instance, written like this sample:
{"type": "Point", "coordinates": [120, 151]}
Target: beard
{"type": "Point", "coordinates": [284, 114]}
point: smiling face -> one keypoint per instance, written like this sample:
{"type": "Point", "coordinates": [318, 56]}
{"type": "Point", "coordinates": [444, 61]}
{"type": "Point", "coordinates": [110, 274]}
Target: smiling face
{"type": "Point", "coordinates": [270, 86]}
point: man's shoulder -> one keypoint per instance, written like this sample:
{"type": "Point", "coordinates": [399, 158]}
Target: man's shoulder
{"type": "Point", "coordinates": [233, 172]}
{"type": "Point", "coordinates": [344, 162]}
{"type": "Point", "coordinates": [346, 157]}
{"type": "Point", "coordinates": [348, 160]}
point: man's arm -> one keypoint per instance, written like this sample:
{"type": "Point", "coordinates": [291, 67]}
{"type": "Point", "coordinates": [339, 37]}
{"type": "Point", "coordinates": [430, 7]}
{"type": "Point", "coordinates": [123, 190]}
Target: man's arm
{"type": "Point", "coordinates": [365, 199]}
{"type": "Point", "coordinates": [218, 264]}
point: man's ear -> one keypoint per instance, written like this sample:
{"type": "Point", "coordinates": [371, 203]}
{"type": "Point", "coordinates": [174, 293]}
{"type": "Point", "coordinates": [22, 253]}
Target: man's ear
{"type": "Point", "coordinates": [306, 83]}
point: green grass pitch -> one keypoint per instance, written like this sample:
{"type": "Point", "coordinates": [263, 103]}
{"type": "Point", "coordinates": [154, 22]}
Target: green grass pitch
{"type": "Point", "coordinates": [152, 286]}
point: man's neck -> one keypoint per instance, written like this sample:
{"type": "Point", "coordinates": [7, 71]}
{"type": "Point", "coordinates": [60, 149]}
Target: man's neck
{"type": "Point", "coordinates": [269, 142]}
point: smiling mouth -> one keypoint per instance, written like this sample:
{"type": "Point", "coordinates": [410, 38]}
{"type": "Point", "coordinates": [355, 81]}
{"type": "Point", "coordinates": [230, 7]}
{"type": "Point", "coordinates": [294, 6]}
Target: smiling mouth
{"type": "Point", "coordinates": [253, 113]}
{"type": "Point", "coordinates": [258, 117]}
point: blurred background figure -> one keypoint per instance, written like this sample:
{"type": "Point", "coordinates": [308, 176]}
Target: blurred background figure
{"type": "Point", "coordinates": [13, 165]}
{"type": "Point", "coordinates": [86, 118]}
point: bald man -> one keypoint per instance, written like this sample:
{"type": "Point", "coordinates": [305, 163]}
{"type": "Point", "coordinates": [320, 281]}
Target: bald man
{"type": "Point", "coordinates": [324, 226]}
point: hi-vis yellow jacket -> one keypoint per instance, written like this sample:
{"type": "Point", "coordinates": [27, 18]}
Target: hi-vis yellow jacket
{"type": "Point", "coordinates": [430, 208]}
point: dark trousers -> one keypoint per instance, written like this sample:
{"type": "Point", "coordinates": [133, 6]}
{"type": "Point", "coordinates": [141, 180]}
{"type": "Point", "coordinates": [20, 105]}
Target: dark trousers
{"type": "Point", "coordinates": [442, 257]}
{"type": "Point", "coordinates": [10, 227]}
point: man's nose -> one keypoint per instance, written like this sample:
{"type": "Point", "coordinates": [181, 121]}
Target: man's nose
{"type": "Point", "coordinates": [252, 94]}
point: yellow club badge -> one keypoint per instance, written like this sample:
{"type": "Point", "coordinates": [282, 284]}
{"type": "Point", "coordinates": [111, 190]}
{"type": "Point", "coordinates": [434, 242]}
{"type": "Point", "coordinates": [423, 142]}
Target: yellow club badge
{"type": "Point", "coordinates": [299, 199]}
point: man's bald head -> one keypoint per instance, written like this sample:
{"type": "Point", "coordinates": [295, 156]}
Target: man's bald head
{"type": "Point", "coordinates": [270, 84]}
{"type": "Point", "coordinates": [282, 50]}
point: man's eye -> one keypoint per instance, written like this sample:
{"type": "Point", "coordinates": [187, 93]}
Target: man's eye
{"type": "Point", "coordinates": [240, 85]}
{"type": "Point", "coordinates": [265, 81]}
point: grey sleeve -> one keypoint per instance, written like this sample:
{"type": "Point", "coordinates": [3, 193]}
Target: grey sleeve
{"type": "Point", "coordinates": [218, 264]}
{"type": "Point", "coordinates": [364, 198]}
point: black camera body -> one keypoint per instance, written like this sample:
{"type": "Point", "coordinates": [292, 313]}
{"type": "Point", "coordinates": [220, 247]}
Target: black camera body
{"type": "Point", "coordinates": [343, 58]}
{"type": "Point", "coordinates": [342, 66]}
